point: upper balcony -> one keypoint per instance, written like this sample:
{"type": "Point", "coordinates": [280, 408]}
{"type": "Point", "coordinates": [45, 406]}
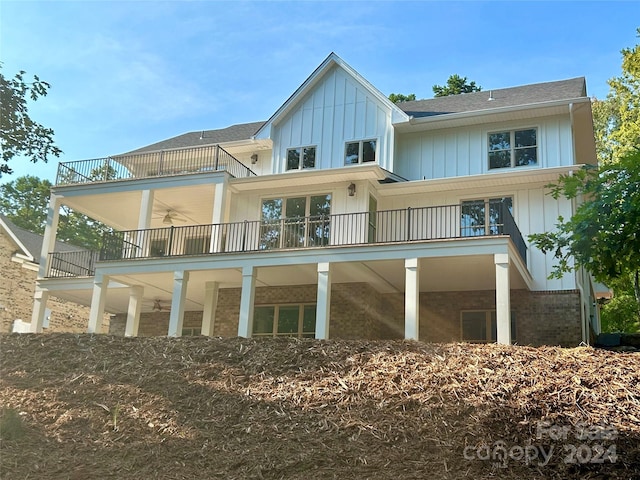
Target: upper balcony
{"type": "Point", "coordinates": [409, 225]}
{"type": "Point", "coordinates": [206, 159]}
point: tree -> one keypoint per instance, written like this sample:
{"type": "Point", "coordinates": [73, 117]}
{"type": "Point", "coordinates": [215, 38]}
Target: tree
{"type": "Point", "coordinates": [455, 85]}
{"type": "Point", "coordinates": [25, 200]}
{"type": "Point", "coordinates": [399, 97]}
{"type": "Point", "coordinates": [19, 134]}
{"type": "Point", "coordinates": [603, 234]}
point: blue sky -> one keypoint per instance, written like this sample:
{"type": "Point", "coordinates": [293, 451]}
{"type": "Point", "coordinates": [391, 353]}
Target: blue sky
{"type": "Point", "coordinates": [127, 74]}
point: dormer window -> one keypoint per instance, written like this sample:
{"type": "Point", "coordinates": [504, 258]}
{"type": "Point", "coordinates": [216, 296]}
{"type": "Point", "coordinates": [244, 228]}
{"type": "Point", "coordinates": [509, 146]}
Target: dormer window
{"type": "Point", "coordinates": [360, 152]}
{"type": "Point", "coordinates": [301, 158]}
{"type": "Point", "coordinates": [515, 148]}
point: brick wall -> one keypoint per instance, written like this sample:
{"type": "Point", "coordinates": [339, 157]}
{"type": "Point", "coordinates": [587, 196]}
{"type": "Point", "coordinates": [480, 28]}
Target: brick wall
{"type": "Point", "coordinates": [17, 286]}
{"type": "Point", "coordinates": [359, 312]}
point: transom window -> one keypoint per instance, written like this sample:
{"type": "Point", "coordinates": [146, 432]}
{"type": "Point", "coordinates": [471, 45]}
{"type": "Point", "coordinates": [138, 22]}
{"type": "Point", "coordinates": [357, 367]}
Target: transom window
{"type": "Point", "coordinates": [295, 221]}
{"type": "Point", "coordinates": [285, 321]}
{"type": "Point", "coordinates": [360, 152]}
{"type": "Point", "coordinates": [481, 326]}
{"type": "Point", "coordinates": [515, 148]}
{"type": "Point", "coordinates": [484, 216]}
{"type": "Point", "coordinates": [301, 158]}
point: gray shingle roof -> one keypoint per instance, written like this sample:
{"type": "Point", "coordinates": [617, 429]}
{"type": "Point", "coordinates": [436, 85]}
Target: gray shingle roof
{"type": "Point", "coordinates": [33, 242]}
{"type": "Point", "coordinates": [504, 97]}
{"type": "Point", "coordinates": [242, 131]}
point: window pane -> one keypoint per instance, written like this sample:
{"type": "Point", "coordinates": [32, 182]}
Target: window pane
{"type": "Point", "coordinates": [270, 227]}
{"type": "Point", "coordinates": [293, 158]}
{"type": "Point", "coordinates": [272, 209]}
{"type": "Point", "coordinates": [474, 326]}
{"type": "Point", "coordinates": [525, 138]}
{"type": "Point", "coordinates": [194, 245]}
{"type": "Point", "coordinates": [320, 205]}
{"type": "Point", "coordinates": [309, 160]}
{"type": "Point", "coordinates": [369, 151]}
{"type": "Point", "coordinates": [497, 209]}
{"type": "Point", "coordinates": [500, 159]}
{"type": "Point", "coordinates": [263, 320]}
{"type": "Point", "coordinates": [351, 153]}
{"type": "Point", "coordinates": [296, 207]}
{"type": "Point", "coordinates": [472, 221]}
{"type": "Point", "coordinates": [309, 321]}
{"type": "Point", "coordinates": [319, 226]}
{"type": "Point", "coordinates": [499, 141]}
{"type": "Point", "coordinates": [157, 248]}
{"type": "Point", "coordinates": [288, 320]}
{"type": "Point", "coordinates": [526, 156]}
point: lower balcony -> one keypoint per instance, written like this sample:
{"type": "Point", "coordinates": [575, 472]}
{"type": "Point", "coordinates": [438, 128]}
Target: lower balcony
{"type": "Point", "coordinates": [338, 230]}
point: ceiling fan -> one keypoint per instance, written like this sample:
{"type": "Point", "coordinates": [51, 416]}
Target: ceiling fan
{"type": "Point", "coordinates": [170, 217]}
{"type": "Point", "coordinates": [159, 306]}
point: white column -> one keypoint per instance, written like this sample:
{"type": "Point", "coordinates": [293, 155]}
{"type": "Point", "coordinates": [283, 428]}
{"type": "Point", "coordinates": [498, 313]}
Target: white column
{"type": "Point", "coordinates": [133, 312]}
{"type": "Point", "coordinates": [98, 299]}
{"type": "Point", "coordinates": [503, 299]}
{"type": "Point", "coordinates": [50, 233]}
{"type": "Point", "coordinates": [412, 299]}
{"type": "Point", "coordinates": [39, 310]}
{"type": "Point", "coordinates": [217, 217]}
{"type": "Point", "coordinates": [210, 305]}
{"type": "Point", "coordinates": [144, 221]}
{"type": "Point", "coordinates": [323, 305]}
{"type": "Point", "coordinates": [176, 317]}
{"type": "Point", "coordinates": [245, 322]}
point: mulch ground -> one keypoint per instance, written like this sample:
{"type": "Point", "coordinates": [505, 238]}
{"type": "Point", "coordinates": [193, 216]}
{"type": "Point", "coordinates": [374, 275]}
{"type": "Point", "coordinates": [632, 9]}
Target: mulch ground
{"type": "Point", "coordinates": [104, 407]}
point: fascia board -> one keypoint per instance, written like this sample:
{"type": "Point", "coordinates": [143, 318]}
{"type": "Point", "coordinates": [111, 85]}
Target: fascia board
{"type": "Point", "coordinates": [27, 254]}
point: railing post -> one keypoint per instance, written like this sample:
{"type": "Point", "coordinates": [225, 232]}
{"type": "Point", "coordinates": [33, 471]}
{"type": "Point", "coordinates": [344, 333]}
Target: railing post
{"type": "Point", "coordinates": [217, 157]}
{"type": "Point", "coordinates": [170, 243]}
{"type": "Point", "coordinates": [408, 223]}
{"type": "Point", "coordinates": [244, 235]}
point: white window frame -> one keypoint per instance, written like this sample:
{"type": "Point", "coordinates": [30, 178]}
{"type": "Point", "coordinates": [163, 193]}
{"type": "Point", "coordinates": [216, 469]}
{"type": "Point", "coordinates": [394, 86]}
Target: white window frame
{"type": "Point", "coordinates": [301, 160]}
{"type": "Point", "coordinates": [513, 148]}
{"type": "Point", "coordinates": [276, 314]}
{"type": "Point", "coordinates": [360, 150]}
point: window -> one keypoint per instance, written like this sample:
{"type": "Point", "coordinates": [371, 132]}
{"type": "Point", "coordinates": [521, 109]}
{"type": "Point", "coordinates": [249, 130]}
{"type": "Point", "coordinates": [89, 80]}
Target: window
{"type": "Point", "coordinates": [475, 222]}
{"type": "Point", "coordinates": [360, 152]}
{"type": "Point", "coordinates": [516, 148]}
{"type": "Point", "coordinates": [191, 332]}
{"type": "Point", "coordinates": [300, 158]}
{"type": "Point", "coordinates": [284, 321]}
{"type": "Point", "coordinates": [481, 326]}
{"type": "Point", "coordinates": [158, 248]}
{"type": "Point", "coordinates": [295, 222]}
{"type": "Point", "coordinates": [195, 245]}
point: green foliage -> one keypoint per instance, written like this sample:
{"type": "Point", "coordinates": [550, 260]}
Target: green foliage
{"type": "Point", "coordinates": [25, 201]}
{"type": "Point", "coordinates": [455, 85]}
{"type": "Point", "coordinates": [399, 97]}
{"type": "Point", "coordinates": [620, 314]}
{"type": "Point", "coordinates": [19, 134]}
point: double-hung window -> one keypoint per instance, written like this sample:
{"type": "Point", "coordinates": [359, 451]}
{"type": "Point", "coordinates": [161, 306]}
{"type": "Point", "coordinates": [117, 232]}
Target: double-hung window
{"type": "Point", "coordinates": [284, 321]}
{"type": "Point", "coordinates": [485, 216]}
{"type": "Point", "coordinates": [481, 326]}
{"type": "Point", "coordinates": [301, 158]}
{"type": "Point", "coordinates": [362, 151]}
{"type": "Point", "coordinates": [514, 148]}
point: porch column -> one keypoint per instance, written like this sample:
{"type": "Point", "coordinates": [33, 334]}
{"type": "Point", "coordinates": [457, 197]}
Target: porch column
{"type": "Point", "coordinates": [210, 305]}
{"type": "Point", "coordinates": [245, 322]}
{"type": "Point", "coordinates": [503, 299]}
{"type": "Point", "coordinates": [133, 312]}
{"type": "Point", "coordinates": [50, 233]}
{"type": "Point", "coordinates": [98, 299]}
{"type": "Point", "coordinates": [39, 310]}
{"type": "Point", "coordinates": [323, 305]}
{"type": "Point", "coordinates": [176, 317]}
{"type": "Point", "coordinates": [217, 217]}
{"type": "Point", "coordinates": [144, 221]}
{"type": "Point", "coordinates": [412, 299]}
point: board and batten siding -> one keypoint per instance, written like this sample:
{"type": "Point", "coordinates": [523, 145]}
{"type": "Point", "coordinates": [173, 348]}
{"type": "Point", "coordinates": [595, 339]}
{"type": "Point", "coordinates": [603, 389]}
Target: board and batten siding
{"type": "Point", "coordinates": [463, 151]}
{"type": "Point", "coordinates": [337, 110]}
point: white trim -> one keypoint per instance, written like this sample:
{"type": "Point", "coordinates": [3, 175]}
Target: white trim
{"type": "Point", "coordinates": [28, 255]}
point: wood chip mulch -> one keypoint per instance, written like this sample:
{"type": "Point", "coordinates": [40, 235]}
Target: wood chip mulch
{"type": "Point", "coordinates": [104, 407]}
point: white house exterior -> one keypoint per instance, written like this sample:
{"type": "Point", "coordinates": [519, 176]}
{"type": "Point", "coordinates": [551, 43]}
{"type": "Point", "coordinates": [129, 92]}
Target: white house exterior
{"type": "Point", "coordinates": [343, 215]}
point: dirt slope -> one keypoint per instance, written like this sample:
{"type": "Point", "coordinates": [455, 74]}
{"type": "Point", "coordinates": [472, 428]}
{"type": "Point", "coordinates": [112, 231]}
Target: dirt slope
{"type": "Point", "coordinates": [94, 407]}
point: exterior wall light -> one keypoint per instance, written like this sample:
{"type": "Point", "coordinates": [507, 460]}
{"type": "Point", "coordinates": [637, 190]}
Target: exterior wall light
{"type": "Point", "coordinates": [351, 189]}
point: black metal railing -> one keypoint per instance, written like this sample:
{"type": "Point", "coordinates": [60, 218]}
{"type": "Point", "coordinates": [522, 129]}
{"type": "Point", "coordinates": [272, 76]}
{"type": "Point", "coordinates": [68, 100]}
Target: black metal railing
{"type": "Point", "coordinates": [210, 158]}
{"type": "Point", "coordinates": [79, 263]}
{"type": "Point", "coordinates": [389, 226]}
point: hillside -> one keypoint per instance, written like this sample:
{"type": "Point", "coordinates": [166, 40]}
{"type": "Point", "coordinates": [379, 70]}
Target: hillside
{"type": "Point", "coordinates": [103, 407]}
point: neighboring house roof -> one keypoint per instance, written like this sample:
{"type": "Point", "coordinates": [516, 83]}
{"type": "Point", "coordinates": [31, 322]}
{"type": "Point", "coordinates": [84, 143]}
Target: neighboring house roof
{"type": "Point", "coordinates": [31, 243]}
{"type": "Point", "coordinates": [504, 97]}
{"type": "Point", "coordinates": [234, 133]}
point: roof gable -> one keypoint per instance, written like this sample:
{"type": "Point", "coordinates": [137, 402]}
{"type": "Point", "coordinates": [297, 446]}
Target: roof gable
{"type": "Point", "coordinates": [333, 60]}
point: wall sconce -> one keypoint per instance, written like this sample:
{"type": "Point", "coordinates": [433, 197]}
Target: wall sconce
{"type": "Point", "coordinates": [351, 189]}
{"type": "Point", "coordinates": [254, 158]}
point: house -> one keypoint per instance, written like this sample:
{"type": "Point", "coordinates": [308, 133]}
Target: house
{"type": "Point", "coordinates": [19, 258]}
{"type": "Point", "coordinates": [343, 215]}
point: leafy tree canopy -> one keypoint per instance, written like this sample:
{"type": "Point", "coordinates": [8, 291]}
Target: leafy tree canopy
{"type": "Point", "coordinates": [25, 201]}
{"type": "Point", "coordinates": [19, 134]}
{"type": "Point", "coordinates": [455, 85]}
{"type": "Point", "coordinates": [399, 97]}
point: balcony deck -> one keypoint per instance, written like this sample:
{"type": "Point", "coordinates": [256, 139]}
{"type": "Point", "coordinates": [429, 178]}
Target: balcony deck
{"type": "Point", "coordinates": [354, 229]}
{"type": "Point", "coordinates": [212, 158]}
